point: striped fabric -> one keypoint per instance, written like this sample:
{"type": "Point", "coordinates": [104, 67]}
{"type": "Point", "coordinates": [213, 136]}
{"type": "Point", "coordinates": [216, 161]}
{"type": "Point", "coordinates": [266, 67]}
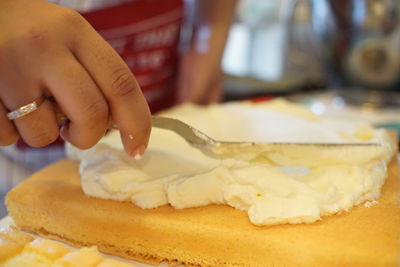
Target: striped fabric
{"type": "Point", "coordinates": [17, 164]}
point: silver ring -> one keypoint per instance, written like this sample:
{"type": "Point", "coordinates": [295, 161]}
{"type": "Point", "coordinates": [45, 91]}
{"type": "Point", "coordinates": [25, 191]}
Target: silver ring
{"type": "Point", "coordinates": [25, 110]}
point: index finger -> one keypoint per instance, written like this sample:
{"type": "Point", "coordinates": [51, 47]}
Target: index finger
{"type": "Point", "coordinates": [129, 109]}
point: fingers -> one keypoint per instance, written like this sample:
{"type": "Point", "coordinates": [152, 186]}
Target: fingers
{"type": "Point", "coordinates": [19, 86]}
{"type": "Point", "coordinates": [38, 128]}
{"type": "Point", "coordinates": [79, 99]}
{"type": "Point", "coordinates": [87, 84]}
{"type": "Point", "coordinates": [76, 94]}
{"type": "Point", "coordinates": [129, 109]}
{"type": "Point", "coordinates": [8, 133]}
{"type": "Point", "coordinates": [31, 57]}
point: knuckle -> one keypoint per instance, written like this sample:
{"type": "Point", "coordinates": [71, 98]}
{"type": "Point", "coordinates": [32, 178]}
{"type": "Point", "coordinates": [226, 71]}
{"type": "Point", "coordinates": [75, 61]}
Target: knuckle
{"type": "Point", "coordinates": [41, 138]}
{"type": "Point", "coordinates": [96, 111]}
{"type": "Point", "coordinates": [71, 17]}
{"type": "Point", "coordinates": [123, 83]}
{"type": "Point", "coordinates": [33, 38]}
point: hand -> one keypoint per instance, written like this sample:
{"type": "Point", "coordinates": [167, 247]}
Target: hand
{"type": "Point", "coordinates": [48, 50]}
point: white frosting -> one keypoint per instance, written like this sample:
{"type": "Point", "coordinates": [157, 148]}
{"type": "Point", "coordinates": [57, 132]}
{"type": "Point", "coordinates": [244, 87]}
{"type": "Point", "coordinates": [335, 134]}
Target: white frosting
{"type": "Point", "coordinates": [282, 186]}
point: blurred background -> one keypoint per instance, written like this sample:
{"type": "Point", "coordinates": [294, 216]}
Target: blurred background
{"type": "Point", "coordinates": [286, 46]}
{"type": "Point", "coordinates": [340, 58]}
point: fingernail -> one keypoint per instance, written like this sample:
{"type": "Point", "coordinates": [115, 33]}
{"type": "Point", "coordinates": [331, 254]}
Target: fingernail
{"type": "Point", "coordinates": [138, 152]}
{"type": "Point", "coordinates": [142, 148]}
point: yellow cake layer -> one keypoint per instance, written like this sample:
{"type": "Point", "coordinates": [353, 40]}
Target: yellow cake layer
{"type": "Point", "coordinates": [52, 204]}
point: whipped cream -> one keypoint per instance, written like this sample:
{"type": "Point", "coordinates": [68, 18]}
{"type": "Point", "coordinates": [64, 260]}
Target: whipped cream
{"type": "Point", "coordinates": [274, 187]}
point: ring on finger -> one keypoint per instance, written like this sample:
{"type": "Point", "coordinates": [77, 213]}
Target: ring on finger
{"type": "Point", "coordinates": [26, 109]}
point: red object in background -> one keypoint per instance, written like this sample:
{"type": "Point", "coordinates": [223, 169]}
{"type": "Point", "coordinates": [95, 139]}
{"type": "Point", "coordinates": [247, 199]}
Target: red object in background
{"type": "Point", "coordinates": [262, 98]}
{"type": "Point", "coordinates": [146, 35]}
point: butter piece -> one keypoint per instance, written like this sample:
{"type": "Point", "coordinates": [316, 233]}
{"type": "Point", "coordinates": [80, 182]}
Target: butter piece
{"type": "Point", "coordinates": [88, 257]}
{"type": "Point", "coordinates": [48, 248]}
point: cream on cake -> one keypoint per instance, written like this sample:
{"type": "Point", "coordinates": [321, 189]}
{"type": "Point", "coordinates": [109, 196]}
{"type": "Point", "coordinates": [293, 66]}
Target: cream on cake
{"type": "Point", "coordinates": [273, 187]}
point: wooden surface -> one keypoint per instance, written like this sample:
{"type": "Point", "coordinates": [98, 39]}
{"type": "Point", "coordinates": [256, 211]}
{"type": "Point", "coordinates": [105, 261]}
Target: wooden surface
{"type": "Point", "coordinates": [365, 236]}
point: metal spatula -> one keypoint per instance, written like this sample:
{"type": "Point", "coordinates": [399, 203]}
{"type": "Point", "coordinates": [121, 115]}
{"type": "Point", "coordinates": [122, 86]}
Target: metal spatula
{"type": "Point", "coordinates": [216, 148]}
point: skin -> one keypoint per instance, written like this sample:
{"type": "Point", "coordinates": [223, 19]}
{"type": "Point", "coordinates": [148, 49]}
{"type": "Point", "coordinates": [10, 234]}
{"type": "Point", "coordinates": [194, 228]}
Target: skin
{"type": "Point", "coordinates": [49, 50]}
{"type": "Point", "coordinates": [200, 74]}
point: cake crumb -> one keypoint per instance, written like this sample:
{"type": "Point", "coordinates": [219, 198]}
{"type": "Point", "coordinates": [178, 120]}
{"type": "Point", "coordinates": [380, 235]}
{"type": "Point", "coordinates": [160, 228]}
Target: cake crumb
{"type": "Point", "coordinates": [130, 136]}
{"type": "Point", "coordinates": [370, 203]}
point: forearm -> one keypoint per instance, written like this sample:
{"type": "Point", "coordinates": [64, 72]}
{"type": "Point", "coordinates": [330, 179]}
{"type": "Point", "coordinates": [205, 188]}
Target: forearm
{"type": "Point", "coordinates": [212, 22]}
{"type": "Point", "coordinates": [200, 78]}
